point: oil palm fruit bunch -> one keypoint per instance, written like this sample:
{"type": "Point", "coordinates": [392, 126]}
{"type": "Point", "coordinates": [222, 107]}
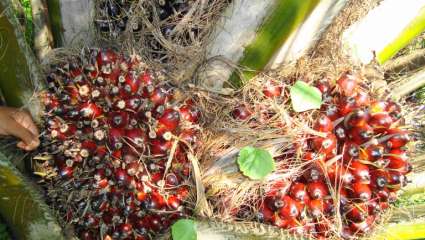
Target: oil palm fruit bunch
{"type": "Point", "coordinates": [118, 137]}
{"type": "Point", "coordinates": [352, 169]}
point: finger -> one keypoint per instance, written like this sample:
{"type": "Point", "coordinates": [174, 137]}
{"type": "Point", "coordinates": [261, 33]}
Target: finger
{"type": "Point", "coordinates": [17, 130]}
{"type": "Point", "coordinates": [29, 147]}
{"type": "Point", "coordinates": [25, 119]}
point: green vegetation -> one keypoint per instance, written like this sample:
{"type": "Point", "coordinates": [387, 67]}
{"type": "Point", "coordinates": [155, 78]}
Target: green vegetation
{"type": "Point", "coordinates": [410, 200]}
{"type": "Point", "coordinates": [29, 28]}
{"type": "Point", "coordinates": [4, 235]}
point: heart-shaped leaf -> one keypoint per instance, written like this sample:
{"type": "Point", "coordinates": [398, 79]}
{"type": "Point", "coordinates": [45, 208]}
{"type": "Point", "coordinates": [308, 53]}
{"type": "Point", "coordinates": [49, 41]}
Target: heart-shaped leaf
{"type": "Point", "coordinates": [305, 97]}
{"type": "Point", "coordinates": [255, 163]}
{"type": "Point", "coordinates": [184, 229]}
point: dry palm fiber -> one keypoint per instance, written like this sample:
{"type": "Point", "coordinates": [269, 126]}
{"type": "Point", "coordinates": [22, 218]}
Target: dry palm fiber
{"type": "Point", "coordinates": [169, 33]}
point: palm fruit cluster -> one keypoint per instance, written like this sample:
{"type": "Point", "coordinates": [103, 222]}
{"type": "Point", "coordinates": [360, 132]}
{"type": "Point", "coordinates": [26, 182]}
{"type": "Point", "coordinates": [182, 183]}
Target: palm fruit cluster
{"type": "Point", "coordinates": [352, 169]}
{"type": "Point", "coordinates": [118, 137]}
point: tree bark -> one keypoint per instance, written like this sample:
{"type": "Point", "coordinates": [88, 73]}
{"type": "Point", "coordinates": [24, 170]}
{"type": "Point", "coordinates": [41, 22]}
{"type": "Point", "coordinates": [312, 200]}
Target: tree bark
{"type": "Point", "coordinates": [43, 38]}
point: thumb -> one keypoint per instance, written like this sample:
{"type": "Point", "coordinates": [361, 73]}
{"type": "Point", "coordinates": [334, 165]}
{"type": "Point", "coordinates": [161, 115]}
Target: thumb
{"type": "Point", "coordinates": [17, 130]}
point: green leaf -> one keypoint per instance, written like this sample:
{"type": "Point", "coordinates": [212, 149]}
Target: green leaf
{"type": "Point", "coordinates": [255, 163]}
{"type": "Point", "coordinates": [184, 229]}
{"type": "Point", "coordinates": [305, 97]}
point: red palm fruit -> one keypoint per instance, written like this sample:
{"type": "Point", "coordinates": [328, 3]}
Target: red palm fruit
{"type": "Point", "coordinates": [315, 208]}
{"type": "Point", "coordinates": [88, 147]}
{"type": "Point", "coordinates": [241, 113]}
{"type": "Point", "coordinates": [381, 122]}
{"type": "Point", "coordinates": [136, 136]}
{"type": "Point", "coordinates": [323, 228]}
{"type": "Point", "coordinates": [331, 111]}
{"type": "Point", "coordinates": [298, 192]}
{"type": "Point", "coordinates": [361, 191]}
{"type": "Point", "coordinates": [126, 230]}
{"type": "Point", "coordinates": [343, 196]}
{"type": "Point", "coordinates": [118, 119]}
{"type": "Point", "coordinates": [313, 173]}
{"type": "Point", "coordinates": [398, 160]}
{"type": "Point", "coordinates": [350, 151]}
{"type": "Point", "coordinates": [158, 200]}
{"type": "Point", "coordinates": [133, 103]}
{"type": "Point", "coordinates": [290, 208]}
{"type": "Point", "coordinates": [274, 202]}
{"type": "Point", "coordinates": [102, 183]}
{"type": "Point", "coordinates": [362, 227]}
{"type": "Point", "coordinates": [396, 181]}
{"type": "Point", "coordinates": [159, 146]}
{"type": "Point", "coordinates": [90, 110]}
{"type": "Point", "coordinates": [339, 174]}
{"type": "Point", "coordinates": [121, 177]}
{"type": "Point", "coordinates": [168, 121]}
{"type": "Point", "coordinates": [400, 138]}
{"type": "Point", "coordinates": [265, 214]}
{"type": "Point", "coordinates": [373, 207]}
{"type": "Point", "coordinates": [272, 89]}
{"type": "Point", "coordinates": [146, 78]}
{"type": "Point", "coordinates": [141, 196]}
{"type": "Point", "coordinates": [325, 145]}
{"type": "Point", "coordinates": [357, 212]}
{"type": "Point", "coordinates": [72, 95]}
{"type": "Point", "coordinates": [379, 179]}
{"type": "Point", "coordinates": [347, 84]}
{"type": "Point", "coordinates": [182, 192]}
{"type": "Point", "coordinates": [191, 137]}
{"type": "Point", "coordinates": [106, 56]}
{"type": "Point", "coordinates": [190, 113]}
{"type": "Point", "coordinates": [131, 83]}
{"type": "Point", "coordinates": [362, 99]}
{"type": "Point", "coordinates": [329, 207]}
{"type": "Point", "coordinates": [323, 124]}
{"type": "Point", "coordinates": [340, 132]}
{"type": "Point", "coordinates": [361, 134]}
{"type": "Point", "coordinates": [346, 105]}
{"type": "Point", "coordinates": [372, 152]}
{"type": "Point", "coordinates": [117, 154]}
{"type": "Point", "coordinates": [360, 172]}
{"type": "Point", "coordinates": [115, 138]}
{"type": "Point", "coordinates": [132, 168]}
{"type": "Point", "coordinates": [356, 118]}
{"type": "Point", "coordinates": [173, 202]}
{"type": "Point", "coordinates": [158, 96]}
{"type": "Point", "coordinates": [323, 85]}
{"type": "Point", "coordinates": [317, 189]}
{"type": "Point", "coordinates": [312, 156]}
{"type": "Point", "coordinates": [66, 172]}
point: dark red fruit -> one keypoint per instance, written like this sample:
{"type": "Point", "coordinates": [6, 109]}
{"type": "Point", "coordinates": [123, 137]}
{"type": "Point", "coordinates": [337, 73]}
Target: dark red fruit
{"type": "Point", "coordinates": [357, 118]}
{"type": "Point", "coordinates": [315, 208]}
{"type": "Point", "coordinates": [158, 96]}
{"type": "Point", "coordinates": [361, 134]}
{"type": "Point", "coordinates": [399, 139]}
{"type": "Point", "coordinates": [118, 119]}
{"type": "Point", "coordinates": [159, 146]}
{"type": "Point", "coordinates": [317, 189]}
{"type": "Point", "coordinates": [241, 112]}
{"type": "Point", "coordinates": [323, 85]}
{"type": "Point", "coordinates": [346, 105]}
{"type": "Point", "coordinates": [190, 113]}
{"type": "Point", "coordinates": [347, 84]}
{"type": "Point", "coordinates": [290, 208]}
{"type": "Point", "coordinates": [381, 122]}
{"type": "Point", "coordinates": [357, 212]}
{"type": "Point", "coordinates": [90, 110]}
{"type": "Point", "coordinates": [272, 90]}
{"type": "Point", "coordinates": [298, 192]}
{"type": "Point", "coordinates": [372, 153]}
{"type": "Point", "coordinates": [323, 124]}
{"type": "Point", "coordinates": [361, 192]}
{"type": "Point", "coordinates": [168, 121]}
{"type": "Point", "coordinates": [325, 145]}
{"type": "Point", "coordinates": [115, 138]}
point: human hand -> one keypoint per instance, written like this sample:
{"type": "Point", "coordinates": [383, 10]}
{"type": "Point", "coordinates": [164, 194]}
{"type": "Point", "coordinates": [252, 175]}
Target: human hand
{"type": "Point", "coordinates": [19, 123]}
